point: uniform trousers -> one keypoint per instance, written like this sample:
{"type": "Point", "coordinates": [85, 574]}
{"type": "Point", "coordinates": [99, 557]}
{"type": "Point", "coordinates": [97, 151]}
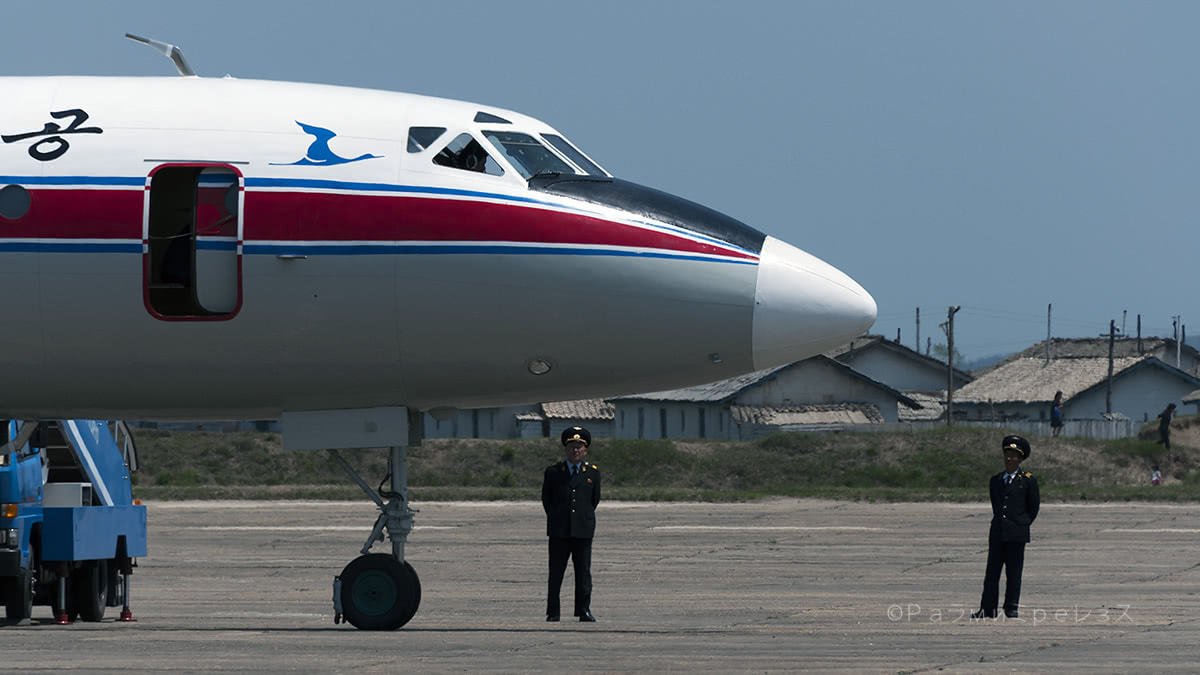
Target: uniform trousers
{"type": "Point", "coordinates": [1011, 556]}
{"type": "Point", "coordinates": [580, 553]}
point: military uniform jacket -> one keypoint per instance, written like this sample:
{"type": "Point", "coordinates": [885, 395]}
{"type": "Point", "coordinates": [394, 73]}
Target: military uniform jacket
{"type": "Point", "coordinates": [570, 502]}
{"type": "Point", "coordinates": [1014, 506]}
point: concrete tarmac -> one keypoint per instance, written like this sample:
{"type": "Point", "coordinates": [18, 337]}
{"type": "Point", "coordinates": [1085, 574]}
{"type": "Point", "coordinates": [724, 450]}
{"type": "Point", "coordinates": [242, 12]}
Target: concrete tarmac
{"type": "Point", "coordinates": [780, 585]}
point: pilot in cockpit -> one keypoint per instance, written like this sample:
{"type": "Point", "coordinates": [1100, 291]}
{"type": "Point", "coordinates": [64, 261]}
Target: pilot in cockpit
{"type": "Point", "coordinates": [473, 157]}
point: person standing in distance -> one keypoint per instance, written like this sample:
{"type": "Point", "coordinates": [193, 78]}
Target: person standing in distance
{"type": "Point", "coordinates": [1056, 414]}
{"type": "Point", "coordinates": [570, 493]}
{"type": "Point", "coordinates": [1015, 504]}
{"type": "Point", "coordinates": [1164, 425]}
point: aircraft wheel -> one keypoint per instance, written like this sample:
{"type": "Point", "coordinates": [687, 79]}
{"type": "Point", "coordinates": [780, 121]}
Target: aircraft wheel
{"type": "Point", "coordinates": [90, 590]}
{"type": "Point", "coordinates": [379, 592]}
{"type": "Point", "coordinates": [18, 596]}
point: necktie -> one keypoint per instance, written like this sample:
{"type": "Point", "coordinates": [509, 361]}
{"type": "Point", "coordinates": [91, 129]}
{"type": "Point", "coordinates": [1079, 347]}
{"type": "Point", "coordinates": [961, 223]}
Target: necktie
{"type": "Point", "coordinates": [574, 470]}
{"type": "Point", "coordinates": [1008, 478]}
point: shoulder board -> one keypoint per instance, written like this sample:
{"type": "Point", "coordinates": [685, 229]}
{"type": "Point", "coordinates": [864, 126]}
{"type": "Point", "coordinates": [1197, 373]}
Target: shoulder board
{"type": "Point", "coordinates": [1027, 474]}
{"type": "Point", "coordinates": [593, 466]}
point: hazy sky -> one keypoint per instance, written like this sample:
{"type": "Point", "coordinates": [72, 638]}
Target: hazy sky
{"type": "Point", "coordinates": [998, 156]}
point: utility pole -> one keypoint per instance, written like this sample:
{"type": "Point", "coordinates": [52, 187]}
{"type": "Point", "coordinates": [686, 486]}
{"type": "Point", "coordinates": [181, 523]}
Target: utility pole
{"type": "Point", "coordinates": [1139, 340]}
{"type": "Point", "coordinates": [928, 345]}
{"type": "Point", "coordinates": [1179, 341]}
{"type": "Point", "coordinates": [1112, 337]}
{"type": "Point", "coordinates": [1048, 307]}
{"type": "Point", "coordinates": [917, 342]}
{"type": "Point", "coordinates": [1175, 334]}
{"type": "Point", "coordinates": [950, 363]}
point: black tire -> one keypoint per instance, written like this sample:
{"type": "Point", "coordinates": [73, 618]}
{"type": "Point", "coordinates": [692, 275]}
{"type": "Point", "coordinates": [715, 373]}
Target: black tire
{"type": "Point", "coordinates": [89, 590]}
{"type": "Point", "coordinates": [414, 585]}
{"type": "Point", "coordinates": [18, 596]}
{"type": "Point", "coordinates": [379, 592]}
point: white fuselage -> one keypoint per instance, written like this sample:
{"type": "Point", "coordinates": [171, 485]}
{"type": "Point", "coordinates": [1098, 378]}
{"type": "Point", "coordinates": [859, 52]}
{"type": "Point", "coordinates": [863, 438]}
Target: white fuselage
{"type": "Point", "coordinates": [328, 262]}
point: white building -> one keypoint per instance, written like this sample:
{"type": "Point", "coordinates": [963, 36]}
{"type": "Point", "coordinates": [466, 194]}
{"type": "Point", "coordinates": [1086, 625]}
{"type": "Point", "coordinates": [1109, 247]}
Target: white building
{"type": "Point", "coordinates": [897, 366]}
{"type": "Point", "coordinates": [549, 419]}
{"type": "Point", "coordinates": [1023, 389]}
{"type": "Point", "coordinates": [813, 394]}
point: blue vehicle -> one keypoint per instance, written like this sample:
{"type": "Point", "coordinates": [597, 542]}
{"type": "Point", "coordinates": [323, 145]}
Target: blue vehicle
{"type": "Point", "coordinates": [70, 530]}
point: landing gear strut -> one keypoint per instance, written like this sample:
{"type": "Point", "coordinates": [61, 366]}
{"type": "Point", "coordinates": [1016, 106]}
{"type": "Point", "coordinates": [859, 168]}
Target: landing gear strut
{"type": "Point", "coordinates": [380, 591]}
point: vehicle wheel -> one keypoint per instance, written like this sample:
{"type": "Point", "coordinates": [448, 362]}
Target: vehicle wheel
{"type": "Point", "coordinates": [18, 596]}
{"type": "Point", "coordinates": [379, 592]}
{"type": "Point", "coordinates": [415, 589]}
{"type": "Point", "coordinates": [89, 590]}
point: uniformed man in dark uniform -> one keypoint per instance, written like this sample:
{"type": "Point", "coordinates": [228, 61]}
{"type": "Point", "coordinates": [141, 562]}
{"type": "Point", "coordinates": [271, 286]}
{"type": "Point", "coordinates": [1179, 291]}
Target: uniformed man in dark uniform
{"type": "Point", "coordinates": [1015, 503]}
{"type": "Point", "coordinates": [570, 493]}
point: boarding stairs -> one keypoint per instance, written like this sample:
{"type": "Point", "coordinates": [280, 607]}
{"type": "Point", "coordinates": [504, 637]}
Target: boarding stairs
{"type": "Point", "coordinates": [92, 452]}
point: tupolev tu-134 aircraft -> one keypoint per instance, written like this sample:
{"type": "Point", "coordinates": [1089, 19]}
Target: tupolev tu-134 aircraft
{"type": "Point", "coordinates": [342, 259]}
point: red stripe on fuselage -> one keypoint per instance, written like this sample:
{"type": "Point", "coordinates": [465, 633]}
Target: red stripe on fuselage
{"type": "Point", "coordinates": [78, 214]}
{"type": "Point", "coordinates": [344, 217]}
{"type": "Point", "coordinates": [317, 217]}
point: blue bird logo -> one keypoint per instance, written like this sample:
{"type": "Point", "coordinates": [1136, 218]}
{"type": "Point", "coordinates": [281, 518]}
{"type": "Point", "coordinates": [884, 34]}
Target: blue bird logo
{"type": "Point", "coordinates": [319, 154]}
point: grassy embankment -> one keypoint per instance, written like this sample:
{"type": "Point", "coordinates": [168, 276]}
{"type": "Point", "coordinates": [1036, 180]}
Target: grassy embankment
{"type": "Point", "coordinates": [944, 464]}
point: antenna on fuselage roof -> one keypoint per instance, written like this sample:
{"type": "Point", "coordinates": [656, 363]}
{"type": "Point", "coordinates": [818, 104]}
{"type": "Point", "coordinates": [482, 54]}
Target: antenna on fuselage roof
{"type": "Point", "coordinates": [170, 51]}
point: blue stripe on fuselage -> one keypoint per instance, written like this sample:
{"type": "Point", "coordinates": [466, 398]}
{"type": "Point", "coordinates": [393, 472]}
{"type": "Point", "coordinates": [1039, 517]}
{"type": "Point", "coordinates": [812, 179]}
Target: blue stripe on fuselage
{"type": "Point", "coordinates": [66, 246]}
{"type": "Point", "coordinates": [468, 249]}
{"type": "Point", "coordinates": [73, 180]}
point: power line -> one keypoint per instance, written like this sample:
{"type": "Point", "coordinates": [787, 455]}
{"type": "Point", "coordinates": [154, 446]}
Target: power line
{"type": "Point", "coordinates": [1039, 319]}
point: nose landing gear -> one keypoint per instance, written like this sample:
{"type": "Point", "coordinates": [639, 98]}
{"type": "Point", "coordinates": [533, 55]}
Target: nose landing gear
{"type": "Point", "coordinates": [380, 591]}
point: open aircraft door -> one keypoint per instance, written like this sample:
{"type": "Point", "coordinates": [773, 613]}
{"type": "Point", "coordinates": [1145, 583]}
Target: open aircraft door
{"type": "Point", "coordinates": [192, 241]}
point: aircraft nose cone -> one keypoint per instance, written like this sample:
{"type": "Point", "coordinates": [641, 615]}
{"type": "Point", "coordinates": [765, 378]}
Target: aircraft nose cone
{"type": "Point", "coordinates": [804, 306]}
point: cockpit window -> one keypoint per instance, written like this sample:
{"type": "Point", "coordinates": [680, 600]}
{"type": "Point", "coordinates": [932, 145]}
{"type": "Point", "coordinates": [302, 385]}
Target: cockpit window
{"type": "Point", "coordinates": [489, 118]}
{"type": "Point", "coordinates": [464, 152]}
{"type": "Point", "coordinates": [420, 138]}
{"type": "Point", "coordinates": [562, 145]}
{"type": "Point", "coordinates": [527, 155]}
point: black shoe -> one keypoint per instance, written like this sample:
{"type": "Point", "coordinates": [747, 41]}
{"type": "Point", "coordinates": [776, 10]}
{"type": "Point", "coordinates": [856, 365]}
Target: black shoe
{"type": "Point", "coordinates": [1010, 613]}
{"type": "Point", "coordinates": [552, 617]}
{"type": "Point", "coordinates": [587, 616]}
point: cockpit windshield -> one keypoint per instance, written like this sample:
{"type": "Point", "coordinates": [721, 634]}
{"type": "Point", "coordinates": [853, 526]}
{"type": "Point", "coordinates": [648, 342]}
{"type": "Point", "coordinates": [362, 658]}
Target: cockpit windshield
{"type": "Point", "coordinates": [526, 154]}
{"type": "Point", "coordinates": [572, 153]}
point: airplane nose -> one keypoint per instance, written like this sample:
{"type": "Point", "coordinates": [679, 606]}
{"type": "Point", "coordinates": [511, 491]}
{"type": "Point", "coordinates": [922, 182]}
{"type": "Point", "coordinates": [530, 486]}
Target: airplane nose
{"type": "Point", "coordinates": [803, 306]}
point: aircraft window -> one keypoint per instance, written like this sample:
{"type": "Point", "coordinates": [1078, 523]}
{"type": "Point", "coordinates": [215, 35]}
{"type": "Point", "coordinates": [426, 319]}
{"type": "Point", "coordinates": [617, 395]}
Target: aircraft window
{"type": "Point", "coordinates": [562, 145]}
{"type": "Point", "coordinates": [528, 155]}
{"type": "Point", "coordinates": [14, 202]}
{"type": "Point", "coordinates": [489, 118]}
{"type": "Point", "coordinates": [420, 138]}
{"type": "Point", "coordinates": [464, 152]}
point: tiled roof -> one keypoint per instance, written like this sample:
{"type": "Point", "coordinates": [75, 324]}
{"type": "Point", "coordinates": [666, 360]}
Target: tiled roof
{"type": "Point", "coordinates": [713, 392]}
{"type": "Point", "coordinates": [857, 343]}
{"type": "Point", "coordinates": [798, 415]}
{"type": "Point", "coordinates": [1193, 397]}
{"type": "Point", "coordinates": [1035, 380]}
{"type": "Point", "coordinates": [530, 417]}
{"type": "Point", "coordinates": [933, 406]}
{"type": "Point", "coordinates": [723, 390]}
{"type": "Point", "coordinates": [1062, 348]}
{"type": "Point", "coordinates": [584, 409]}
